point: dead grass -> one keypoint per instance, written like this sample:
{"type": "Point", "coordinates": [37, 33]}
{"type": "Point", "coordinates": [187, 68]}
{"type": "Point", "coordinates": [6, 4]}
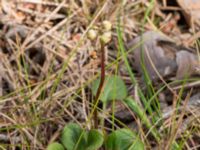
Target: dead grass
{"type": "Point", "coordinates": [47, 64]}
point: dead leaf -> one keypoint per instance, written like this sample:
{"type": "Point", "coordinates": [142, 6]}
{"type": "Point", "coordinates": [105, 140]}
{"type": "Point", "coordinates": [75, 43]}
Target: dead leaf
{"type": "Point", "coordinates": [170, 23]}
{"type": "Point", "coordinates": [19, 30]}
{"type": "Point", "coordinates": [31, 6]}
{"type": "Point", "coordinates": [76, 37]}
{"type": "Point", "coordinates": [161, 56]}
{"type": "Point", "coordinates": [162, 60]}
{"type": "Point", "coordinates": [191, 10]}
{"type": "Point", "coordinates": [93, 54]}
{"type": "Point", "coordinates": [187, 64]}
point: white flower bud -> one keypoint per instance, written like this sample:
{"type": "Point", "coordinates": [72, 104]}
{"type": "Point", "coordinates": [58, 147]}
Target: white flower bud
{"type": "Point", "coordinates": [92, 34]}
{"type": "Point", "coordinates": [107, 26]}
{"type": "Point", "coordinates": [106, 37]}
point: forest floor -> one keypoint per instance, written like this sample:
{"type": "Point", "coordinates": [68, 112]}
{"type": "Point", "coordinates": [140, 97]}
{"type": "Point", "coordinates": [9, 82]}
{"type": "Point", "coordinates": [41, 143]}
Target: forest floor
{"type": "Point", "coordinates": [51, 54]}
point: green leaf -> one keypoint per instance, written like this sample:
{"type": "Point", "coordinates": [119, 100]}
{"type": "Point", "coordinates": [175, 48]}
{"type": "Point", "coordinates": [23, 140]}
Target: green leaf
{"type": "Point", "coordinates": [114, 88]}
{"type": "Point", "coordinates": [55, 146]}
{"type": "Point", "coordinates": [94, 140]}
{"type": "Point", "coordinates": [73, 137]}
{"type": "Point", "coordinates": [123, 139]}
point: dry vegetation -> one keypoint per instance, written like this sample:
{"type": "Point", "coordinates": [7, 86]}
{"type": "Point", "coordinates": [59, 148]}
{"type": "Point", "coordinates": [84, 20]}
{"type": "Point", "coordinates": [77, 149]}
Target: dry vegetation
{"type": "Point", "coordinates": [47, 64]}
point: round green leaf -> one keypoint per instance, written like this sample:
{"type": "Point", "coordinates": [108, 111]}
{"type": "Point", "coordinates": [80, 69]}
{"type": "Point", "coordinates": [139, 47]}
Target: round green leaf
{"type": "Point", "coordinates": [55, 146]}
{"type": "Point", "coordinates": [114, 88]}
{"type": "Point", "coordinates": [123, 139]}
{"type": "Point", "coordinates": [73, 137]}
{"type": "Point", "coordinates": [94, 140]}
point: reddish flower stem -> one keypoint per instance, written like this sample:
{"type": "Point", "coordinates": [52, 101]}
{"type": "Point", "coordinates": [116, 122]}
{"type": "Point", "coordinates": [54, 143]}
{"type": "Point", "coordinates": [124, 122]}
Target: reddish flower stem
{"type": "Point", "coordinates": [102, 79]}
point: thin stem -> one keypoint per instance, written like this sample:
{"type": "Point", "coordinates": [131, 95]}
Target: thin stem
{"type": "Point", "coordinates": [100, 85]}
{"type": "Point", "coordinates": [103, 119]}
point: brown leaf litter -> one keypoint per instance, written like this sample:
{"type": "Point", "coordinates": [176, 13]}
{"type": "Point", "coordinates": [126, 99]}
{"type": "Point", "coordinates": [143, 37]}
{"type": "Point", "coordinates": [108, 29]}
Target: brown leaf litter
{"type": "Point", "coordinates": [162, 57]}
{"type": "Point", "coordinates": [191, 11]}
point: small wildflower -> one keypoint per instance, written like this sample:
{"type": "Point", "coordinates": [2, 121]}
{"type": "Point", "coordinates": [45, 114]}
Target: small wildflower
{"type": "Point", "coordinates": [106, 37]}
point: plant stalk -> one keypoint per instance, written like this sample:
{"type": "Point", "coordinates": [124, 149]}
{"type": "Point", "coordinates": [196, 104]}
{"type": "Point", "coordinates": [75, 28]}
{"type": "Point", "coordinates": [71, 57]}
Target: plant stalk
{"type": "Point", "coordinates": [102, 79]}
